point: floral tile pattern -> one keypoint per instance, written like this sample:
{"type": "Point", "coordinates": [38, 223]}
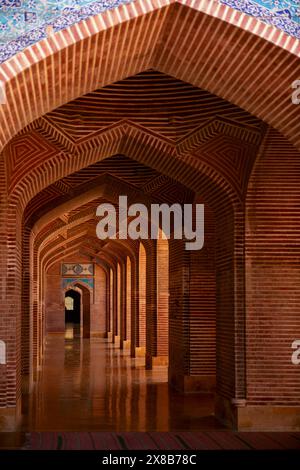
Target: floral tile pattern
{"type": "Point", "coordinates": [284, 14]}
{"type": "Point", "coordinates": [24, 22]}
{"type": "Point", "coordinates": [68, 282]}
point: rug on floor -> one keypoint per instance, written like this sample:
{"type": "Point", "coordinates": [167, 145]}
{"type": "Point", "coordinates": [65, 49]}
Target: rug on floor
{"type": "Point", "coordinates": [208, 440]}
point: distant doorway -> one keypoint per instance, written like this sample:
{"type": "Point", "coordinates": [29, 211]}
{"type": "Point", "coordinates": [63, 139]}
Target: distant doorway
{"type": "Point", "coordinates": [72, 313]}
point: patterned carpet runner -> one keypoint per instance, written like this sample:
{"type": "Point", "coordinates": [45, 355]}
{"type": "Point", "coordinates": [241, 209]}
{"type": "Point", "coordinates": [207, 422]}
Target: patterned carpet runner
{"type": "Point", "coordinates": [209, 440]}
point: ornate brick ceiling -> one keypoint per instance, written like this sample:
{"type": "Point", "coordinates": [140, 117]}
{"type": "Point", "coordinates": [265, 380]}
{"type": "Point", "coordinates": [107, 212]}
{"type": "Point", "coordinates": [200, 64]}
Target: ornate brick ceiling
{"type": "Point", "coordinates": [164, 105]}
{"type": "Point", "coordinates": [174, 117]}
{"type": "Point", "coordinates": [180, 119]}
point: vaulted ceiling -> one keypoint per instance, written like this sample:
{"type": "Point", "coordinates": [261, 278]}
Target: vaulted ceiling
{"type": "Point", "coordinates": [183, 120]}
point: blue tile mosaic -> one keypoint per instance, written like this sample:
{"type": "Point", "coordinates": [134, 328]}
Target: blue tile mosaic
{"type": "Point", "coordinates": [24, 22]}
{"type": "Point", "coordinates": [68, 282]}
{"type": "Point", "coordinates": [284, 14]}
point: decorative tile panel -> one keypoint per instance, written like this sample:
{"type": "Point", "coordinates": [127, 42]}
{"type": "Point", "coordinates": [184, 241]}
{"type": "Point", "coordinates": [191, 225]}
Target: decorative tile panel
{"type": "Point", "coordinates": [25, 22]}
{"type": "Point", "coordinates": [69, 282]}
{"type": "Point", "coordinates": [77, 269]}
{"type": "Point", "coordinates": [284, 14]}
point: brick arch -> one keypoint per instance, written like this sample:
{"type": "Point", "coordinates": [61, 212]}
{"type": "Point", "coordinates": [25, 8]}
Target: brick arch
{"type": "Point", "coordinates": [195, 173]}
{"type": "Point", "coordinates": [199, 181]}
{"type": "Point", "coordinates": [46, 253]}
{"type": "Point", "coordinates": [86, 308]}
{"type": "Point", "coordinates": [105, 190]}
{"type": "Point", "coordinates": [137, 144]}
{"type": "Point", "coordinates": [172, 47]}
{"type": "Point", "coordinates": [220, 69]}
{"type": "Point", "coordinates": [49, 258]}
{"type": "Point", "coordinates": [69, 292]}
{"type": "Point", "coordinates": [166, 57]}
{"type": "Point", "coordinates": [225, 206]}
{"type": "Point", "coordinates": [116, 249]}
{"type": "Point", "coordinates": [129, 250]}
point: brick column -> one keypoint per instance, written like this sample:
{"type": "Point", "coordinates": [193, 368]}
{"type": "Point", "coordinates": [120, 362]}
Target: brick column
{"type": "Point", "coordinates": [134, 304]}
{"type": "Point", "coordinates": [151, 303]}
{"type": "Point", "coordinates": [115, 304]}
{"type": "Point", "coordinates": [10, 314]}
{"type": "Point", "coordinates": [98, 308]}
{"type": "Point", "coordinates": [111, 305]}
{"type": "Point", "coordinates": [202, 314]}
{"type": "Point", "coordinates": [162, 298]}
{"type": "Point", "coordinates": [179, 274]}
{"type": "Point", "coordinates": [123, 299]}
{"type": "Point", "coordinates": [25, 306]}
{"type": "Point", "coordinates": [118, 313]}
{"type": "Point", "coordinates": [128, 306]}
{"type": "Point", "coordinates": [273, 288]}
{"type": "Point", "coordinates": [107, 312]}
{"type": "Point", "coordinates": [142, 290]}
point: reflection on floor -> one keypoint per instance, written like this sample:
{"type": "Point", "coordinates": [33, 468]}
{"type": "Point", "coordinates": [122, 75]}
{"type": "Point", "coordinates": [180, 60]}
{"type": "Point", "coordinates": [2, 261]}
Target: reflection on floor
{"type": "Point", "coordinates": [90, 385]}
{"type": "Point", "coordinates": [72, 330]}
{"type": "Point", "coordinates": [90, 395]}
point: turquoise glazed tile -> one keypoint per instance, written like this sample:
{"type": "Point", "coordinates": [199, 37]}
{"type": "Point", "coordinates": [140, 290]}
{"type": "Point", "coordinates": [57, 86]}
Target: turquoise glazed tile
{"type": "Point", "coordinates": [24, 22]}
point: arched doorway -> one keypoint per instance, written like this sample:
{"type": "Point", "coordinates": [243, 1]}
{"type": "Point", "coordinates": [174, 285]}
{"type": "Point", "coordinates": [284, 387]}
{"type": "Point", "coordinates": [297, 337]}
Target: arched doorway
{"type": "Point", "coordinates": [78, 311]}
{"type": "Point", "coordinates": [72, 313]}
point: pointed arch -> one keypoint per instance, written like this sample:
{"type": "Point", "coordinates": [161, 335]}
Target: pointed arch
{"type": "Point", "coordinates": [172, 47]}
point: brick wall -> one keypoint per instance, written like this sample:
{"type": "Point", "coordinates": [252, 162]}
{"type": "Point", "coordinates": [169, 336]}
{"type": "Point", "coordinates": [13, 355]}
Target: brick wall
{"type": "Point", "coordinates": [202, 306]}
{"type": "Point", "coordinates": [273, 273]}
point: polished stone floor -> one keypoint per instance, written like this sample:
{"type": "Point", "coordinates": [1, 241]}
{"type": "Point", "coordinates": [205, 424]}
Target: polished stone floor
{"type": "Point", "coordinates": [90, 385]}
{"type": "Point", "coordinates": [90, 395]}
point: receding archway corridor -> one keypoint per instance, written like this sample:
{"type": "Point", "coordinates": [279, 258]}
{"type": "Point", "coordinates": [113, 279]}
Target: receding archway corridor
{"type": "Point", "coordinates": [149, 225]}
{"type": "Point", "coordinates": [201, 320]}
{"type": "Point", "coordinates": [90, 384]}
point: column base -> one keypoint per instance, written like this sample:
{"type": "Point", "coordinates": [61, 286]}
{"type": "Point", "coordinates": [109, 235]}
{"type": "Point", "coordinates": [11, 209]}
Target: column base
{"type": "Point", "coordinates": [109, 336]}
{"type": "Point", "coordinates": [140, 351]}
{"type": "Point", "coordinates": [127, 344]}
{"type": "Point", "coordinates": [242, 416]}
{"type": "Point", "coordinates": [160, 361]}
{"type": "Point", "coordinates": [192, 383]}
{"type": "Point", "coordinates": [156, 361]}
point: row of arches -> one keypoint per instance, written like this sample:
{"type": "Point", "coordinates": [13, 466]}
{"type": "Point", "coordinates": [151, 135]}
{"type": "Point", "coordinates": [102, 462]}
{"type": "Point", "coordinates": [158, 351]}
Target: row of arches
{"type": "Point", "coordinates": [78, 301]}
{"type": "Point", "coordinates": [217, 286]}
{"type": "Point", "coordinates": [230, 294]}
{"type": "Point", "coordinates": [120, 326]}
